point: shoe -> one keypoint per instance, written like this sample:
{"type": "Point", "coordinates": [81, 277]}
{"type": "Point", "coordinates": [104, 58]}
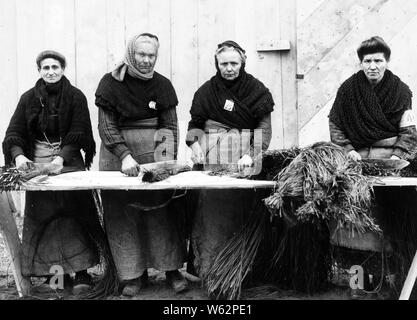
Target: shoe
{"type": "Point", "coordinates": [132, 287]}
{"type": "Point", "coordinates": [82, 283]}
{"type": "Point", "coordinates": [176, 281]}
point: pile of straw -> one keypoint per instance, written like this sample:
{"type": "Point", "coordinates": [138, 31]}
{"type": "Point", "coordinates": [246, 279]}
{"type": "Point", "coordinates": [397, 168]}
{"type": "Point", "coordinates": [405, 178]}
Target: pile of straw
{"type": "Point", "coordinates": [315, 185]}
{"type": "Point", "coordinates": [323, 184]}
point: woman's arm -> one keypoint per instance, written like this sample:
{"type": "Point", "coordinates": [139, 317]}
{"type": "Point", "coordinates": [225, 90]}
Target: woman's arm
{"type": "Point", "coordinates": [110, 134]}
{"type": "Point", "coordinates": [406, 145]}
{"type": "Point", "coordinates": [337, 136]}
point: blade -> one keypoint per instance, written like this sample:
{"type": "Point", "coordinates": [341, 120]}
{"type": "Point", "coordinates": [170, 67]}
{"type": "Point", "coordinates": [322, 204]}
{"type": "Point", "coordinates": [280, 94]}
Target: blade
{"type": "Point", "coordinates": [388, 164]}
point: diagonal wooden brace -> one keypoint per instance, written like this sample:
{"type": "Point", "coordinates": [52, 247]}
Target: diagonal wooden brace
{"type": "Point", "coordinates": [409, 282]}
{"type": "Point", "coordinates": [9, 230]}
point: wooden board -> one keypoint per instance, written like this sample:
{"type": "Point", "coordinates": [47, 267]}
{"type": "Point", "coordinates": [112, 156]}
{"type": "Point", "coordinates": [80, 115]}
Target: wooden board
{"type": "Point", "coordinates": [8, 64]}
{"type": "Point", "coordinates": [114, 180]}
{"type": "Point", "coordinates": [9, 230]}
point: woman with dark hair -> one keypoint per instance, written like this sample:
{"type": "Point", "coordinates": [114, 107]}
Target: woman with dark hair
{"type": "Point", "coordinates": [371, 116]}
{"type": "Point", "coordinates": [230, 124]}
{"type": "Point", "coordinates": [51, 124]}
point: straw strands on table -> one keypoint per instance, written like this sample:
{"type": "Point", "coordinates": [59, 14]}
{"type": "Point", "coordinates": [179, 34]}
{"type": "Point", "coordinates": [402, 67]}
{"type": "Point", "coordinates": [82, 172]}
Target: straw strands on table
{"type": "Point", "coordinates": [11, 178]}
{"type": "Point", "coordinates": [315, 185]}
{"type": "Point", "coordinates": [160, 174]}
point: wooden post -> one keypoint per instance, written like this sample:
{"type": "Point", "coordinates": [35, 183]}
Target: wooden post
{"type": "Point", "coordinates": [9, 230]}
{"type": "Point", "coordinates": [288, 31]}
{"type": "Point", "coordinates": [410, 281]}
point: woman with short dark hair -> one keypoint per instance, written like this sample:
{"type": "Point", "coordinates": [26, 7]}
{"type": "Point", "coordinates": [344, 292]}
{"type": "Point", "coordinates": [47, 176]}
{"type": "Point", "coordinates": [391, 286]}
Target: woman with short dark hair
{"type": "Point", "coordinates": [51, 124]}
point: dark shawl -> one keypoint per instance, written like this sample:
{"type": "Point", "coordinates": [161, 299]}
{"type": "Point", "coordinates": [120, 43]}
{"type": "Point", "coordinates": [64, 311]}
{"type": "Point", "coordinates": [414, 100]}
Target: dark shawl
{"type": "Point", "coordinates": [252, 101]}
{"type": "Point", "coordinates": [131, 97]}
{"type": "Point", "coordinates": [74, 121]}
{"type": "Point", "coordinates": [366, 114]}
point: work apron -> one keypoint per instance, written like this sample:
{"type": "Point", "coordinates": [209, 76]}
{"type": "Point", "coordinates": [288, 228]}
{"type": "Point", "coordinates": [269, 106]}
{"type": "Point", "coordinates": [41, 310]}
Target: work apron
{"type": "Point", "coordinates": [140, 237]}
{"type": "Point", "coordinates": [59, 226]}
{"type": "Point", "coordinates": [218, 214]}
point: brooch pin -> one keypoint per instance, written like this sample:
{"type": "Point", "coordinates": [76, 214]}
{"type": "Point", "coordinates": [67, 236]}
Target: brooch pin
{"type": "Point", "coordinates": [152, 105]}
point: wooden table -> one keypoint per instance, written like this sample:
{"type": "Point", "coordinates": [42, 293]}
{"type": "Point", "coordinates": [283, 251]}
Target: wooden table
{"type": "Point", "coordinates": [112, 180]}
{"type": "Point", "coordinates": [105, 180]}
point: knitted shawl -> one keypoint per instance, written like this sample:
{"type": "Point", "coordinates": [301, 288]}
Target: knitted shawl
{"type": "Point", "coordinates": [367, 114]}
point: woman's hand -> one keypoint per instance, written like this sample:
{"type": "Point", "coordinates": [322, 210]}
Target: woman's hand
{"type": "Point", "coordinates": [57, 165]}
{"type": "Point", "coordinates": [355, 155]}
{"type": "Point", "coordinates": [198, 154]}
{"type": "Point", "coordinates": [23, 163]}
{"type": "Point", "coordinates": [245, 161]}
{"type": "Point", "coordinates": [130, 167]}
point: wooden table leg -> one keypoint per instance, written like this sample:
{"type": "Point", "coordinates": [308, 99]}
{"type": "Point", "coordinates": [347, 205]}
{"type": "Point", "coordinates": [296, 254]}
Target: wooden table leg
{"type": "Point", "coordinates": [9, 230]}
{"type": "Point", "coordinates": [409, 282]}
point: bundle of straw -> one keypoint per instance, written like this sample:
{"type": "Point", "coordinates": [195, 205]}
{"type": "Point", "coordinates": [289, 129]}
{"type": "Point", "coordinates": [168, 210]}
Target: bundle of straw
{"type": "Point", "coordinates": [160, 174]}
{"type": "Point", "coordinates": [225, 277]}
{"type": "Point", "coordinates": [11, 178]}
{"type": "Point", "coordinates": [324, 185]}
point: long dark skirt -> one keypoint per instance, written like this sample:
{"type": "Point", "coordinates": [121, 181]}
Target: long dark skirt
{"type": "Point", "coordinates": [140, 239]}
{"type": "Point", "coordinates": [59, 229]}
{"type": "Point", "coordinates": [218, 216]}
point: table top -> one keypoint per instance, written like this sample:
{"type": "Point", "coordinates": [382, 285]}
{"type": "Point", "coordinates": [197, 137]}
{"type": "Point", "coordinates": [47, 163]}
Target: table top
{"type": "Point", "coordinates": [115, 180]}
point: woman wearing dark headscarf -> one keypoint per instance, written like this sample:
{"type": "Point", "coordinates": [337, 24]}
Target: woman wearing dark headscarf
{"type": "Point", "coordinates": [137, 106]}
{"type": "Point", "coordinates": [50, 125]}
{"type": "Point", "coordinates": [235, 107]}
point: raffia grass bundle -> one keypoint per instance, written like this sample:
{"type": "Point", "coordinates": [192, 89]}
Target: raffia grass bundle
{"type": "Point", "coordinates": [160, 174]}
{"type": "Point", "coordinates": [323, 184]}
{"type": "Point", "coordinates": [315, 185]}
{"type": "Point", "coordinates": [232, 265]}
{"type": "Point", "coordinates": [11, 178]}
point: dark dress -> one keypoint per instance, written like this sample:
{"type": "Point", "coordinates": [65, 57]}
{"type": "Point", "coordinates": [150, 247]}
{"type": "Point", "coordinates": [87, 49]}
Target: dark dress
{"type": "Point", "coordinates": [139, 239]}
{"type": "Point", "coordinates": [60, 228]}
{"type": "Point", "coordinates": [220, 214]}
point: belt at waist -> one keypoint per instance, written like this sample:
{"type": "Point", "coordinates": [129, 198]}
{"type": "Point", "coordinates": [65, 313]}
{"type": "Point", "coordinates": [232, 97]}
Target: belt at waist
{"type": "Point", "coordinates": [151, 123]}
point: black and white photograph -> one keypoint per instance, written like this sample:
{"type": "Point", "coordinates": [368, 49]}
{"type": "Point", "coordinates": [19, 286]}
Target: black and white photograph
{"type": "Point", "coordinates": [208, 155]}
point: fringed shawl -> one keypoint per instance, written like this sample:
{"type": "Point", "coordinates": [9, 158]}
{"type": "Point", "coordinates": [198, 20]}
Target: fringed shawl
{"type": "Point", "coordinates": [74, 121]}
{"type": "Point", "coordinates": [252, 101]}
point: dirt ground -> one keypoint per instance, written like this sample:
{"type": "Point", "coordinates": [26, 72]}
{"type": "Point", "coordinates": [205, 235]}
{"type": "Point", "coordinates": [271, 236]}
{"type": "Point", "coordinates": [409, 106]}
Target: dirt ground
{"type": "Point", "coordinates": [158, 290]}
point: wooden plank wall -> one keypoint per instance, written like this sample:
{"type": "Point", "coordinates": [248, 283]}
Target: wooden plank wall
{"type": "Point", "coordinates": [92, 35]}
{"type": "Point", "coordinates": [329, 32]}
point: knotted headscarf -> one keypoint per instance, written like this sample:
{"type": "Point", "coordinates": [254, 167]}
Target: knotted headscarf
{"type": "Point", "coordinates": [129, 63]}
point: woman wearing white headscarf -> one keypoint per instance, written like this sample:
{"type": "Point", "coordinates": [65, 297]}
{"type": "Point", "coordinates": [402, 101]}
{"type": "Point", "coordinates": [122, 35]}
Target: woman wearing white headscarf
{"type": "Point", "coordinates": [136, 104]}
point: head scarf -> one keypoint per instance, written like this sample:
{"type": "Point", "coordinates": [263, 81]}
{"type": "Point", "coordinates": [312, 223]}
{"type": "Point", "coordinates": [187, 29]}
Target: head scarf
{"type": "Point", "coordinates": [129, 62]}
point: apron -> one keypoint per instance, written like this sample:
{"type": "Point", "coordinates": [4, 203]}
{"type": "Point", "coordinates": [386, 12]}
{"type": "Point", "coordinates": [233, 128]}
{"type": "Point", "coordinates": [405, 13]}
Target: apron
{"type": "Point", "coordinates": [59, 226]}
{"type": "Point", "coordinates": [219, 214]}
{"type": "Point", "coordinates": [140, 239]}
